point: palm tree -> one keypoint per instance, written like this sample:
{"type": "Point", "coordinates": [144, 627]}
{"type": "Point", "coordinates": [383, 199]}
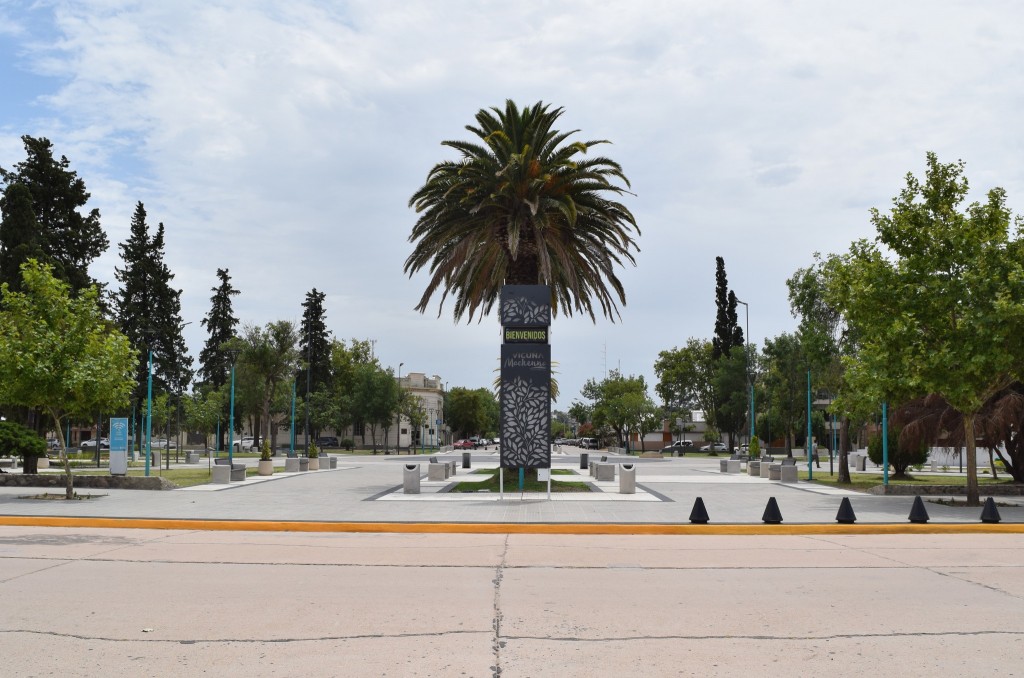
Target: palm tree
{"type": "Point", "coordinates": [523, 207]}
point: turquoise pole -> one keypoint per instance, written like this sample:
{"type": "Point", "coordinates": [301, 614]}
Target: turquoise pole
{"type": "Point", "coordinates": [231, 419]}
{"type": "Point", "coordinates": [149, 413]}
{"type": "Point", "coordinates": [807, 445]}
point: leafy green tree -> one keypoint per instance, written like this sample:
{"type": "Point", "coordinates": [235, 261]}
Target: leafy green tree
{"type": "Point", "coordinates": [203, 409]}
{"type": "Point", "coordinates": [938, 300]}
{"type": "Point", "coordinates": [70, 240]}
{"type": "Point", "coordinates": [58, 352]}
{"type": "Point", "coordinates": [786, 383]}
{"type": "Point", "coordinates": [732, 397]}
{"type": "Point", "coordinates": [271, 355]}
{"type": "Point", "coordinates": [470, 411]}
{"type": "Point", "coordinates": [20, 235]}
{"type": "Point", "coordinates": [686, 377]}
{"type": "Point", "coordinates": [375, 398]}
{"type": "Point", "coordinates": [617, 402]}
{"type": "Point", "coordinates": [523, 206]}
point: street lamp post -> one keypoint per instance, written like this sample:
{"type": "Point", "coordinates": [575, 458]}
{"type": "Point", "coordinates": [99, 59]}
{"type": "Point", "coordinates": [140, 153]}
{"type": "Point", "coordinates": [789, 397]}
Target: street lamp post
{"type": "Point", "coordinates": [309, 365]}
{"type": "Point", "coordinates": [398, 428]}
{"type": "Point", "coordinates": [746, 357]}
{"type": "Point", "coordinates": [149, 412]}
{"type": "Point", "coordinates": [231, 410]}
{"type": "Point", "coordinates": [291, 449]}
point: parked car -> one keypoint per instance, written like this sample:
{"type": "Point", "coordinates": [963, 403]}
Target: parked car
{"type": "Point", "coordinates": [91, 444]}
{"type": "Point", "coordinates": [327, 441]}
{"type": "Point", "coordinates": [244, 444]}
{"type": "Point", "coordinates": [53, 444]}
{"type": "Point", "coordinates": [464, 445]}
{"type": "Point", "coordinates": [679, 447]}
{"type": "Point", "coordinates": [588, 443]}
{"type": "Point", "coordinates": [714, 447]}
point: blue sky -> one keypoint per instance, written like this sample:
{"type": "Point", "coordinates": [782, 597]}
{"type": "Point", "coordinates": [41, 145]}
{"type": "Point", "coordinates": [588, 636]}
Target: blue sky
{"type": "Point", "coordinates": [283, 142]}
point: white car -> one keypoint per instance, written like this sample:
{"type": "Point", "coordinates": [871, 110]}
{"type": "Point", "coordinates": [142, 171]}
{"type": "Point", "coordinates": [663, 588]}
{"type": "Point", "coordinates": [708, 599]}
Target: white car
{"type": "Point", "coordinates": [91, 444]}
{"type": "Point", "coordinates": [244, 444]}
{"type": "Point", "coordinates": [714, 447]}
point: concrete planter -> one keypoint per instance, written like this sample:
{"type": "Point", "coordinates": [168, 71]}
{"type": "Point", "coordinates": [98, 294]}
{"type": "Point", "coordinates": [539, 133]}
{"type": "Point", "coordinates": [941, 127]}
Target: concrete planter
{"type": "Point", "coordinates": [266, 468]}
{"type": "Point", "coordinates": [43, 462]}
{"type": "Point", "coordinates": [314, 464]}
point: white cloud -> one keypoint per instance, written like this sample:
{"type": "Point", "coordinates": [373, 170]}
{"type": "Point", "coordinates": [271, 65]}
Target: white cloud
{"type": "Point", "coordinates": [283, 142]}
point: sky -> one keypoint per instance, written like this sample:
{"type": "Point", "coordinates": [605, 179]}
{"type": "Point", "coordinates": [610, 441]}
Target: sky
{"type": "Point", "coordinates": [282, 141]}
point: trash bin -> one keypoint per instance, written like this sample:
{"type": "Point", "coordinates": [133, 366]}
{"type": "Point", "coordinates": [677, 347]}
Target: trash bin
{"type": "Point", "coordinates": [862, 462]}
{"type": "Point", "coordinates": [303, 463]}
{"type": "Point", "coordinates": [627, 478]}
{"type": "Point", "coordinates": [410, 478]}
{"type": "Point", "coordinates": [584, 460]}
{"type": "Point", "coordinates": [466, 459]}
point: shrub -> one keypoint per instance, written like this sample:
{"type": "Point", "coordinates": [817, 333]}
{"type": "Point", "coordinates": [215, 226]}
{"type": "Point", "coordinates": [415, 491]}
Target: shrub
{"type": "Point", "coordinates": [20, 441]}
{"type": "Point", "coordinates": [347, 444]}
{"type": "Point", "coordinates": [755, 448]}
{"type": "Point", "coordinates": [313, 452]}
{"type": "Point", "coordinates": [17, 440]}
{"type": "Point", "coordinates": [266, 454]}
{"type": "Point", "coordinates": [901, 457]}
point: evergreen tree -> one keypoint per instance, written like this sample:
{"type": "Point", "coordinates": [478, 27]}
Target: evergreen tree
{"type": "Point", "coordinates": [69, 239]}
{"type": "Point", "coordinates": [19, 234]}
{"type": "Point", "coordinates": [149, 309]}
{"type": "Point", "coordinates": [315, 343]}
{"type": "Point", "coordinates": [220, 322]}
{"type": "Point", "coordinates": [727, 329]}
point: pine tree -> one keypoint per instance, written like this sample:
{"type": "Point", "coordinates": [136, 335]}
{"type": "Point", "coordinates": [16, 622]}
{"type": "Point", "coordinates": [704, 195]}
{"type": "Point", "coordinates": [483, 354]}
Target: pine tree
{"type": "Point", "coordinates": [727, 329]}
{"type": "Point", "coordinates": [69, 239]}
{"type": "Point", "coordinates": [220, 322]}
{"type": "Point", "coordinates": [315, 342]}
{"type": "Point", "coordinates": [19, 234]}
{"type": "Point", "coordinates": [149, 308]}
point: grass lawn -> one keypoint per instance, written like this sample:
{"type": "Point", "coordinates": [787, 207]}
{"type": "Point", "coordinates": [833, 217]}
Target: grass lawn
{"type": "Point", "coordinates": [865, 481]}
{"type": "Point", "coordinates": [512, 483]}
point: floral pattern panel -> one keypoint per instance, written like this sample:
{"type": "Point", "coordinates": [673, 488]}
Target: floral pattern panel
{"type": "Point", "coordinates": [525, 406]}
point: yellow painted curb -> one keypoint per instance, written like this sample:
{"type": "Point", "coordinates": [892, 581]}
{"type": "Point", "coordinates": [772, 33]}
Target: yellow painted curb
{"type": "Point", "coordinates": [514, 528]}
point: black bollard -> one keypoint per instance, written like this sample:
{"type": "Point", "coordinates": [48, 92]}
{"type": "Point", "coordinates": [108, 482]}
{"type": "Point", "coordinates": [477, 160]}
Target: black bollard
{"type": "Point", "coordinates": [699, 514]}
{"type": "Point", "coordinates": [846, 514]}
{"type": "Point", "coordinates": [990, 514]}
{"type": "Point", "coordinates": [918, 513]}
{"type": "Point", "coordinates": [772, 514]}
{"type": "Point", "coordinates": [466, 457]}
{"type": "Point", "coordinates": [584, 461]}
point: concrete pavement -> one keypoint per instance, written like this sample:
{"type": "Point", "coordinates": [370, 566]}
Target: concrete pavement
{"type": "Point", "coordinates": [89, 602]}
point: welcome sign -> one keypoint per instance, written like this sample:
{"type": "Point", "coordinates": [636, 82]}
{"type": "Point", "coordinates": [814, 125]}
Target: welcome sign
{"type": "Point", "coordinates": [525, 376]}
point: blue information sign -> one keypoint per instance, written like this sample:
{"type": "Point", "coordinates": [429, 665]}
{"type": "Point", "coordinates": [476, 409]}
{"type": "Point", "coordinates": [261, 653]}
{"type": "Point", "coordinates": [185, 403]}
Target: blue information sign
{"type": "Point", "coordinates": [119, 434]}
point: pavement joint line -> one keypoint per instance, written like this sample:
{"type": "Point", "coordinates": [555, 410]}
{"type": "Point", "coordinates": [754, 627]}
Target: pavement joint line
{"type": "Point", "coordinates": [512, 528]}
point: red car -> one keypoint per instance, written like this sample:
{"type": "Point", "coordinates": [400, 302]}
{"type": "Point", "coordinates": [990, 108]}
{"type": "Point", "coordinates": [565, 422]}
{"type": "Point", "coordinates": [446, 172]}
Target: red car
{"type": "Point", "coordinates": [464, 445]}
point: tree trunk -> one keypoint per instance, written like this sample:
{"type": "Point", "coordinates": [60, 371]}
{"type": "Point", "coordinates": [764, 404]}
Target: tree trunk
{"type": "Point", "coordinates": [69, 482]}
{"type": "Point", "coordinates": [844, 445]}
{"type": "Point", "coordinates": [973, 495]}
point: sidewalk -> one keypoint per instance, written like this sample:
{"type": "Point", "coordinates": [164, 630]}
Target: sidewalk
{"type": "Point", "coordinates": [367, 489]}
